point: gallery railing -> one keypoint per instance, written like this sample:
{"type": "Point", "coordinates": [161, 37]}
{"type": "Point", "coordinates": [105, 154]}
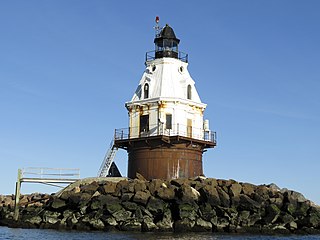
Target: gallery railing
{"type": "Point", "coordinates": [151, 55]}
{"type": "Point", "coordinates": [161, 130]}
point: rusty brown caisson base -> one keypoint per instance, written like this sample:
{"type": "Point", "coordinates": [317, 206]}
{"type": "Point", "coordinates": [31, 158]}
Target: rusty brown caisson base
{"type": "Point", "coordinates": [164, 157]}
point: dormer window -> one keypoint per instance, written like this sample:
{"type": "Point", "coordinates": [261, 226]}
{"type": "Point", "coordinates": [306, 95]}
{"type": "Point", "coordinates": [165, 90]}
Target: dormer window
{"type": "Point", "coordinates": [146, 91]}
{"type": "Point", "coordinates": [189, 92]}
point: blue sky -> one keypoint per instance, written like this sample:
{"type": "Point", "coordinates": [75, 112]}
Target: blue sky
{"type": "Point", "coordinates": [68, 67]}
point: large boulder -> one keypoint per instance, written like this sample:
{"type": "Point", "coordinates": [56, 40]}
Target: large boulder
{"type": "Point", "coordinates": [108, 188]}
{"type": "Point", "coordinates": [246, 203]}
{"type": "Point", "coordinates": [155, 206]}
{"type": "Point", "coordinates": [141, 197]}
{"type": "Point", "coordinates": [90, 188]}
{"type": "Point", "coordinates": [166, 193]}
{"type": "Point", "coordinates": [58, 203]}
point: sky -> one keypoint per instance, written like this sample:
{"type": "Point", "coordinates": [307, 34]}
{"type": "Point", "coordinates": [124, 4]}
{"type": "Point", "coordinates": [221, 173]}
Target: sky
{"type": "Point", "coordinates": [68, 67]}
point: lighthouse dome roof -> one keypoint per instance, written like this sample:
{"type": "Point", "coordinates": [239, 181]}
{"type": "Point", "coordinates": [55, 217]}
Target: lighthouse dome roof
{"type": "Point", "coordinates": [167, 33]}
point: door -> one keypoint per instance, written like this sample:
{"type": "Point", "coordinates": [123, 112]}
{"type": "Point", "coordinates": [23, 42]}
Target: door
{"type": "Point", "coordinates": [144, 125]}
{"type": "Point", "coordinates": [189, 128]}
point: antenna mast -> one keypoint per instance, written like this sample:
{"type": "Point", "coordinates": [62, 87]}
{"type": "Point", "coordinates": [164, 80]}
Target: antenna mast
{"type": "Point", "coordinates": [157, 27]}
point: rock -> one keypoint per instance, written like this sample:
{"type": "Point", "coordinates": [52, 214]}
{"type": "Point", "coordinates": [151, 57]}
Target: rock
{"type": "Point", "coordinates": [179, 182]}
{"type": "Point", "coordinates": [113, 207]}
{"type": "Point", "coordinates": [154, 185]}
{"type": "Point", "coordinates": [131, 206]}
{"type": "Point", "coordinates": [263, 192]}
{"type": "Point", "coordinates": [67, 213]}
{"type": "Point", "coordinates": [96, 194]}
{"type": "Point", "coordinates": [148, 225]}
{"type": "Point", "coordinates": [66, 195]}
{"type": "Point", "coordinates": [310, 221]}
{"type": "Point", "coordinates": [140, 177]}
{"type": "Point", "coordinates": [277, 201]}
{"type": "Point", "coordinates": [292, 226]}
{"type": "Point", "coordinates": [294, 197]}
{"type": "Point", "coordinates": [58, 203]}
{"type": "Point", "coordinates": [122, 215]}
{"type": "Point", "coordinates": [184, 225]}
{"type": "Point", "coordinates": [141, 197]}
{"type": "Point", "coordinates": [202, 225]}
{"type": "Point", "coordinates": [72, 221]}
{"type": "Point", "coordinates": [108, 187]}
{"type": "Point", "coordinates": [291, 208]}
{"type": "Point", "coordinates": [211, 182]}
{"type": "Point", "coordinates": [122, 187]}
{"type": "Point", "coordinates": [109, 221]}
{"type": "Point", "coordinates": [76, 189]}
{"type": "Point", "coordinates": [273, 212]}
{"type": "Point", "coordinates": [50, 217]}
{"type": "Point", "coordinates": [280, 230]}
{"type": "Point", "coordinates": [224, 198]}
{"type": "Point", "coordinates": [74, 199]}
{"type": "Point", "coordinates": [206, 212]}
{"type": "Point", "coordinates": [96, 224]}
{"type": "Point", "coordinates": [187, 210]}
{"type": "Point", "coordinates": [273, 186]}
{"type": "Point", "coordinates": [155, 206]}
{"type": "Point", "coordinates": [246, 203]}
{"type": "Point", "coordinates": [139, 185]}
{"type": "Point", "coordinates": [222, 224]}
{"type": "Point", "coordinates": [302, 209]}
{"type": "Point", "coordinates": [286, 218]}
{"type": "Point", "coordinates": [131, 225]}
{"type": "Point", "coordinates": [166, 223]}
{"type": "Point", "coordinates": [210, 194]}
{"type": "Point", "coordinates": [23, 200]}
{"type": "Point", "coordinates": [35, 220]}
{"type": "Point", "coordinates": [166, 193]}
{"type": "Point", "coordinates": [235, 190]}
{"type": "Point", "coordinates": [138, 215]}
{"type": "Point", "coordinates": [126, 197]}
{"type": "Point", "coordinates": [225, 183]}
{"type": "Point", "coordinates": [85, 198]}
{"type": "Point", "coordinates": [131, 187]}
{"type": "Point", "coordinates": [187, 193]}
{"type": "Point", "coordinates": [243, 218]}
{"type": "Point", "coordinates": [90, 188]}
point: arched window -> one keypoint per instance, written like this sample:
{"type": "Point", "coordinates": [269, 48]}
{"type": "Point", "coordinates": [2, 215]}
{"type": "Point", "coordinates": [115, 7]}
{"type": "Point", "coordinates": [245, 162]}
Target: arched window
{"type": "Point", "coordinates": [189, 92]}
{"type": "Point", "coordinates": [146, 90]}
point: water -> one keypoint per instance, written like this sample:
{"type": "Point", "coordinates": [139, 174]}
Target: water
{"type": "Point", "coordinates": [40, 234]}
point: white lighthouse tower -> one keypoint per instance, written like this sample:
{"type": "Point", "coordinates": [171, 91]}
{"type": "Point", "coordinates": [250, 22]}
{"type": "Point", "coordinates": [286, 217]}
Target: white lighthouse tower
{"type": "Point", "coordinates": [167, 134]}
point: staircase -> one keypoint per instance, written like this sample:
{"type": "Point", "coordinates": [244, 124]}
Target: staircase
{"type": "Point", "coordinates": [108, 160]}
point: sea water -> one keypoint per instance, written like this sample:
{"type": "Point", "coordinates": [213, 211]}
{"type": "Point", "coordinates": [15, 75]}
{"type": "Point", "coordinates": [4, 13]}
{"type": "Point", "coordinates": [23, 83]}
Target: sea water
{"type": "Point", "coordinates": [44, 234]}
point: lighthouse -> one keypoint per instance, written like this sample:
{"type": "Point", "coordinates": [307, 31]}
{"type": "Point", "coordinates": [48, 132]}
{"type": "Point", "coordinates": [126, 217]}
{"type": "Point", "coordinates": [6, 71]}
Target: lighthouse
{"type": "Point", "coordinates": [167, 133]}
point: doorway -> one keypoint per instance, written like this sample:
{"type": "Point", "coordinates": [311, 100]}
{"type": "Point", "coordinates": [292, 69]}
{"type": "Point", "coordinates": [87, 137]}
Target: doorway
{"type": "Point", "coordinates": [189, 128]}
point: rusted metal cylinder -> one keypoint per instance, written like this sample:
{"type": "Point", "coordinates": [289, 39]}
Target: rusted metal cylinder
{"type": "Point", "coordinates": [165, 163]}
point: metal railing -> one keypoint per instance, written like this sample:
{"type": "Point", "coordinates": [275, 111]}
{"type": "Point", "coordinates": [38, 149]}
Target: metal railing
{"type": "Point", "coordinates": [151, 55]}
{"type": "Point", "coordinates": [56, 173]}
{"type": "Point", "coordinates": [161, 130]}
{"type": "Point", "coordinates": [48, 176]}
{"type": "Point", "coordinates": [107, 160]}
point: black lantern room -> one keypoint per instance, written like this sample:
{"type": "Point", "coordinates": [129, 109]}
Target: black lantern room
{"type": "Point", "coordinates": [166, 43]}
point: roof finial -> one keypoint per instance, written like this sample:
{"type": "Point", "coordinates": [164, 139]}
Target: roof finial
{"type": "Point", "coordinates": [157, 27]}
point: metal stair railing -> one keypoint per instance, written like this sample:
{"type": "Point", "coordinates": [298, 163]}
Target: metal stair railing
{"type": "Point", "coordinates": [107, 161]}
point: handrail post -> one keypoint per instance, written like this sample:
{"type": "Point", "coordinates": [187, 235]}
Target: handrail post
{"type": "Point", "coordinates": [129, 132]}
{"type": "Point", "coordinates": [17, 196]}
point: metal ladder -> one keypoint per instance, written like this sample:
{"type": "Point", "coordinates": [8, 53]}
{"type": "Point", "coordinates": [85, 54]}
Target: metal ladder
{"type": "Point", "coordinates": [108, 160]}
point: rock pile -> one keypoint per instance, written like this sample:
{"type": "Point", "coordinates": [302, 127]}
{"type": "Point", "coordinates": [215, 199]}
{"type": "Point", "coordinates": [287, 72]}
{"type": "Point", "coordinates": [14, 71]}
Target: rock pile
{"type": "Point", "coordinates": [199, 204]}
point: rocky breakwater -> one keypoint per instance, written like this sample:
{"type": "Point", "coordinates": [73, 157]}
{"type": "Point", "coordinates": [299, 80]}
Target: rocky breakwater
{"type": "Point", "coordinates": [200, 204]}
